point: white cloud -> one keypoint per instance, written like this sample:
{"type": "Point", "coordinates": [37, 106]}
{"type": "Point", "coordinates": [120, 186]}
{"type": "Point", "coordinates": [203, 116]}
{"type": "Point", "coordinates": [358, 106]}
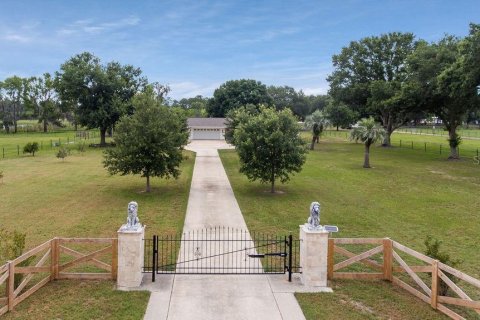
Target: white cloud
{"type": "Point", "coordinates": [16, 37]}
{"type": "Point", "coordinates": [315, 90]}
{"type": "Point", "coordinates": [187, 89]}
{"type": "Point", "coordinates": [90, 27]}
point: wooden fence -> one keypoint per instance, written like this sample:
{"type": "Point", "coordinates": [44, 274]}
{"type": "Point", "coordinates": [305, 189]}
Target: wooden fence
{"type": "Point", "coordinates": [421, 278]}
{"type": "Point", "coordinates": [53, 260]}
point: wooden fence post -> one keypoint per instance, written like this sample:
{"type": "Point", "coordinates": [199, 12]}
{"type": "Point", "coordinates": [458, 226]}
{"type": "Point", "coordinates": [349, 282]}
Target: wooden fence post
{"type": "Point", "coordinates": [57, 257]}
{"type": "Point", "coordinates": [53, 258]}
{"type": "Point", "coordinates": [330, 258]}
{"type": "Point", "coordinates": [435, 282]}
{"type": "Point", "coordinates": [114, 258]}
{"type": "Point", "coordinates": [387, 259]}
{"type": "Point", "coordinates": [11, 285]}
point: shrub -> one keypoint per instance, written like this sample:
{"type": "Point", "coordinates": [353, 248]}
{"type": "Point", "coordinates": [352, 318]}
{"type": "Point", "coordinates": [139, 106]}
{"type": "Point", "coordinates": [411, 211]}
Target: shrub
{"type": "Point", "coordinates": [62, 153]}
{"type": "Point", "coordinates": [81, 147]}
{"type": "Point", "coordinates": [433, 251]}
{"type": "Point", "coordinates": [31, 148]}
{"type": "Point", "coordinates": [12, 245]}
{"type": "Point", "coordinates": [1, 176]}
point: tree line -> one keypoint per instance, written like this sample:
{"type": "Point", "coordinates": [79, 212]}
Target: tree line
{"type": "Point", "coordinates": [84, 90]}
{"type": "Point", "coordinates": [397, 78]}
{"type": "Point", "coordinates": [236, 93]}
{"type": "Point", "coordinates": [394, 78]}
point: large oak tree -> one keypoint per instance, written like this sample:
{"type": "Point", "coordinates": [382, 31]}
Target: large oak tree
{"type": "Point", "coordinates": [236, 93]}
{"type": "Point", "coordinates": [100, 93]}
{"type": "Point", "coordinates": [444, 80]}
{"type": "Point", "coordinates": [368, 77]}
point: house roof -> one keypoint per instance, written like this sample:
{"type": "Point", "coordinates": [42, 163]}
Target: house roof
{"type": "Point", "coordinates": [207, 122]}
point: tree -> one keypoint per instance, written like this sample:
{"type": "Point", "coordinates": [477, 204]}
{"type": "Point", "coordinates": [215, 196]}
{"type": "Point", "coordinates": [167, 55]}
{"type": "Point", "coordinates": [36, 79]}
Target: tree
{"type": "Point", "coordinates": [237, 116]}
{"type": "Point", "coordinates": [339, 115]}
{"type": "Point", "coordinates": [317, 121]}
{"type": "Point", "coordinates": [236, 93]}
{"type": "Point", "coordinates": [31, 147]}
{"type": "Point", "coordinates": [282, 97]}
{"type": "Point", "coordinates": [194, 107]}
{"type": "Point", "coordinates": [41, 96]}
{"type": "Point", "coordinates": [5, 112]}
{"type": "Point", "coordinates": [368, 77]}
{"type": "Point", "coordinates": [14, 90]}
{"type": "Point", "coordinates": [300, 104]}
{"type": "Point", "coordinates": [149, 142]}
{"type": "Point", "coordinates": [269, 146]}
{"type": "Point", "coordinates": [444, 76]}
{"type": "Point", "coordinates": [368, 132]}
{"type": "Point", "coordinates": [101, 93]}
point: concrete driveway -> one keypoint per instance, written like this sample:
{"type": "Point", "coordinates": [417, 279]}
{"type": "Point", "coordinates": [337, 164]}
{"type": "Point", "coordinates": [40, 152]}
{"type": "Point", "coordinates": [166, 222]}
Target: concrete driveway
{"type": "Point", "coordinates": [212, 203]}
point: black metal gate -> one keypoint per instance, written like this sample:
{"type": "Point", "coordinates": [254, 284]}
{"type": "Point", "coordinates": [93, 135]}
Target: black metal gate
{"type": "Point", "coordinates": [222, 250]}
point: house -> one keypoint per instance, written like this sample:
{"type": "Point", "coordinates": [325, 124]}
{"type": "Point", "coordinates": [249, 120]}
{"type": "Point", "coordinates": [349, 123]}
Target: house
{"type": "Point", "coordinates": [207, 128]}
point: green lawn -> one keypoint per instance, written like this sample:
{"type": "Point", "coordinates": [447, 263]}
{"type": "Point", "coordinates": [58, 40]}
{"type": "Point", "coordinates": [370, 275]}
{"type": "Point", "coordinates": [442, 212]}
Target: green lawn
{"type": "Point", "coordinates": [45, 197]}
{"type": "Point", "coordinates": [406, 196]}
{"type": "Point", "coordinates": [365, 300]}
{"type": "Point", "coordinates": [81, 300]}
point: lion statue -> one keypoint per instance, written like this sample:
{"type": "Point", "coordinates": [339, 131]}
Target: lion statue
{"type": "Point", "coordinates": [314, 219]}
{"type": "Point", "coordinates": [132, 219]}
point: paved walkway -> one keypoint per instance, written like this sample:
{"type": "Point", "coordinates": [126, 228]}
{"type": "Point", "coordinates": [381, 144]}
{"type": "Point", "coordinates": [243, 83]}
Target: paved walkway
{"type": "Point", "coordinates": [212, 203]}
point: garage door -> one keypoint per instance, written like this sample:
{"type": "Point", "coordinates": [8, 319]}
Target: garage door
{"type": "Point", "coordinates": [206, 134]}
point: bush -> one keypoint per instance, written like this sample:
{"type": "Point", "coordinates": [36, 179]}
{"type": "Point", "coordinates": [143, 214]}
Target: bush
{"type": "Point", "coordinates": [62, 153]}
{"type": "Point", "coordinates": [31, 148]}
{"type": "Point", "coordinates": [1, 176]}
{"type": "Point", "coordinates": [81, 147]}
{"type": "Point", "coordinates": [12, 245]}
{"type": "Point", "coordinates": [433, 251]}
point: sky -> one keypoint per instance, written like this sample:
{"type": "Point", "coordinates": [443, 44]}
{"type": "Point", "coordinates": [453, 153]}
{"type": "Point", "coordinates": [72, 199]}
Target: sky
{"type": "Point", "coordinates": [195, 46]}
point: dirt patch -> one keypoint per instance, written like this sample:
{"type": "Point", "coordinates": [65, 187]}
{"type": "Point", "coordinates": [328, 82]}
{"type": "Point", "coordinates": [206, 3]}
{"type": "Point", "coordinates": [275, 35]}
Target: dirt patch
{"type": "Point", "coordinates": [357, 305]}
{"type": "Point", "coordinates": [274, 193]}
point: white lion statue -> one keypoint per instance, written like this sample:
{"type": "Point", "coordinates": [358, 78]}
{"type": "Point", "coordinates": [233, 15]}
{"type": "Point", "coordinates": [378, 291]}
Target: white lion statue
{"type": "Point", "coordinates": [133, 222]}
{"type": "Point", "coordinates": [314, 219]}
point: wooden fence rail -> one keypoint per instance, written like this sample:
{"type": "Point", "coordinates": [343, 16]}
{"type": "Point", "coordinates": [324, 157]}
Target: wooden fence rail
{"type": "Point", "coordinates": [389, 265]}
{"type": "Point", "coordinates": [49, 261]}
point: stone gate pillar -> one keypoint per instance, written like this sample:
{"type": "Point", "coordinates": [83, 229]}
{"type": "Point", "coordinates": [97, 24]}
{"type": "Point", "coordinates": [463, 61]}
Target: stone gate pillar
{"type": "Point", "coordinates": [130, 251]}
{"type": "Point", "coordinates": [130, 258]}
{"type": "Point", "coordinates": [313, 256]}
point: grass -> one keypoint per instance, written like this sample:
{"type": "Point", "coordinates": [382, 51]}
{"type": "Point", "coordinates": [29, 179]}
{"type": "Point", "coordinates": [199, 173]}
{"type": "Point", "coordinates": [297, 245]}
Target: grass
{"type": "Point", "coordinates": [472, 132]}
{"type": "Point", "coordinates": [81, 300]}
{"type": "Point", "coordinates": [406, 196]}
{"type": "Point", "coordinates": [45, 197]}
{"type": "Point", "coordinates": [437, 145]}
{"type": "Point", "coordinates": [364, 300]}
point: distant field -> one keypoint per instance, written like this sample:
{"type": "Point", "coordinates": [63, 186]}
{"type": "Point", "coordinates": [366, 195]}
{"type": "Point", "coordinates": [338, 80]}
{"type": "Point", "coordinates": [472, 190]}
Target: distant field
{"type": "Point", "coordinates": [473, 132]}
{"type": "Point", "coordinates": [436, 145]}
{"type": "Point", "coordinates": [11, 145]}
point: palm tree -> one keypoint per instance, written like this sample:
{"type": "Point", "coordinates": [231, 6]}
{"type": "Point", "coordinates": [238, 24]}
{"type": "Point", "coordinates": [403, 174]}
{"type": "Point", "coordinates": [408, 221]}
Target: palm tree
{"type": "Point", "coordinates": [368, 132]}
{"type": "Point", "coordinates": [317, 121]}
